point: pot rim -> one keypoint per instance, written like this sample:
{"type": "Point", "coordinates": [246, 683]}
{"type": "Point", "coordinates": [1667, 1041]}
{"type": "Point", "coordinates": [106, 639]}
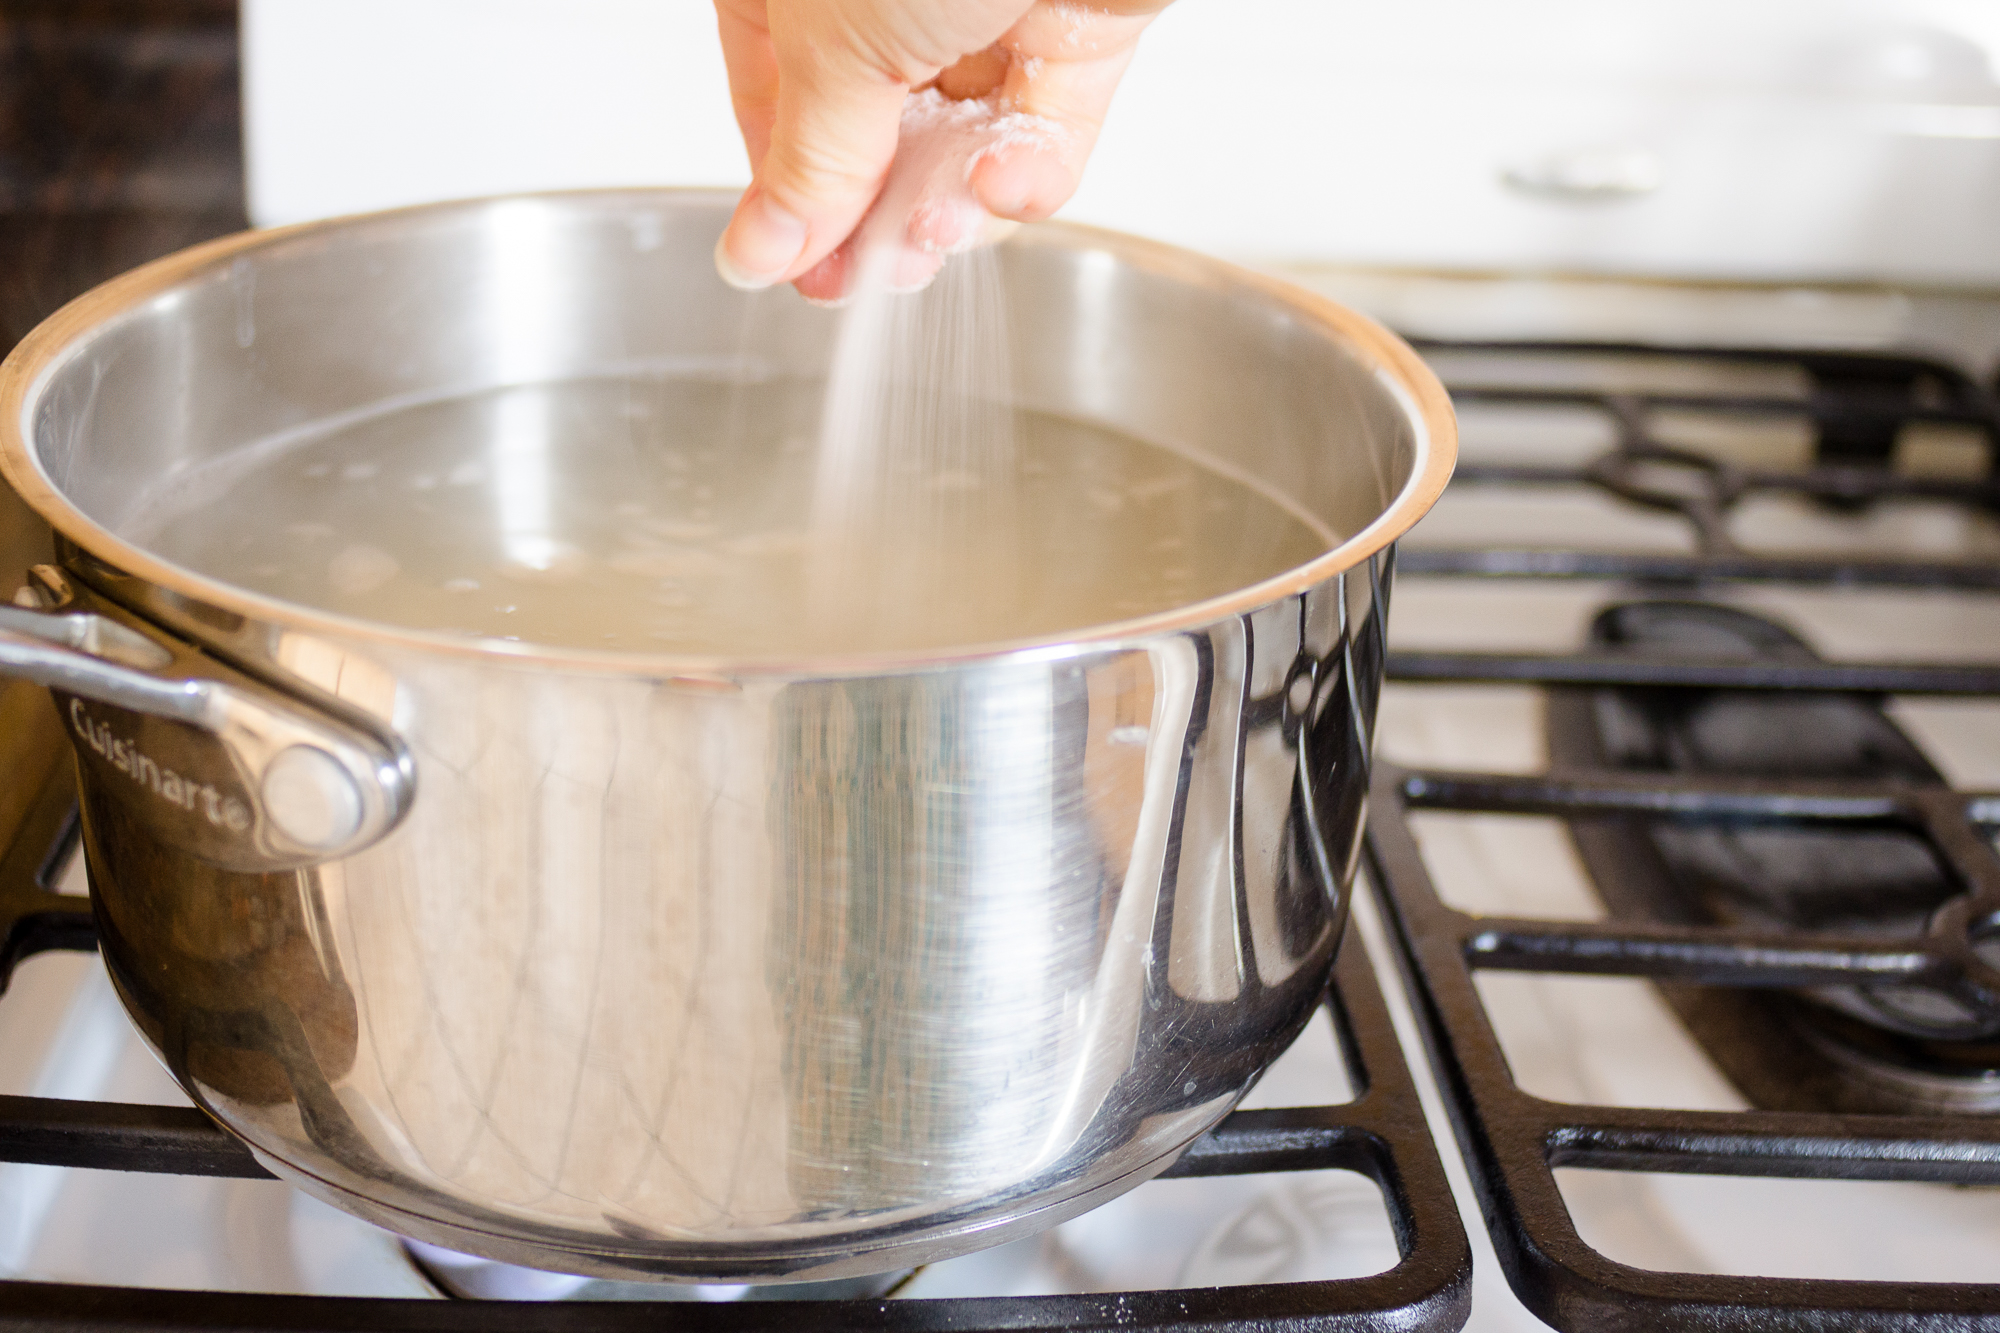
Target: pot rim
{"type": "Point", "coordinates": [35, 360]}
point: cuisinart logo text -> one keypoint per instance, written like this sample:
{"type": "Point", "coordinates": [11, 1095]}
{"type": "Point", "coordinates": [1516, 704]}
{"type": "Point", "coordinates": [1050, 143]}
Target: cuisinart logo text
{"type": "Point", "coordinates": [222, 811]}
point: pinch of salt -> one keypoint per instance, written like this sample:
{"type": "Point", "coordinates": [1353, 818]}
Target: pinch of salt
{"type": "Point", "coordinates": [942, 143]}
{"type": "Point", "coordinates": [1014, 130]}
{"type": "Point", "coordinates": [1073, 18]}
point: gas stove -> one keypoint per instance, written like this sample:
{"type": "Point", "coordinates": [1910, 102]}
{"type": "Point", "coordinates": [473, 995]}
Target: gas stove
{"type": "Point", "coordinates": [1674, 963]}
{"type": "Point", "coordinates": [1667, 1000]}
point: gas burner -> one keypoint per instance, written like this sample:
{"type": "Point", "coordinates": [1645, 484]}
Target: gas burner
{"type": "Point", "coordinates": [468, 1277]}
{"type": "Point", "coordinates": [1222, 1232]}
{"type": "Point", "coordinates": [1324, 1200]}
{"type": "Point", "coordinates": [1887, 1046]}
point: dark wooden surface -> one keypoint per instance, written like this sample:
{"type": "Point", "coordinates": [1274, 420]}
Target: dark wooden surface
{"type": "Point", "coordinates": [120, 140]}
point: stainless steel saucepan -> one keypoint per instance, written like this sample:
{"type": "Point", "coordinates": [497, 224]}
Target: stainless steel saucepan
{"type": "Point", "coordinates": [728, 969]}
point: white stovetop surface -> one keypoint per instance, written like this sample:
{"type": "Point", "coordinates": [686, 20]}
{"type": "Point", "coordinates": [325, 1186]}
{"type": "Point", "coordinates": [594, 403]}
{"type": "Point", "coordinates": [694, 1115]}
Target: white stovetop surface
{"type": "Point", "coordinates": [1581, 1039]}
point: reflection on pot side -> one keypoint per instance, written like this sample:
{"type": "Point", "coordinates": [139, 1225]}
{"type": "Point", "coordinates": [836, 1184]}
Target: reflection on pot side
{"type": "Point", "coordinates": [898, 959]}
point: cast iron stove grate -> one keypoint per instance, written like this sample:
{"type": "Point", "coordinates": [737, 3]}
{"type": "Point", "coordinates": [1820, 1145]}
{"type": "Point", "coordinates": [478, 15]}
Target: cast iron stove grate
{"type": "Point", "coordinates": [1513, 1141]}
{"type": "Point", "coordinates": [1381, 1134]}
{"type": "Point", "coordinates": [1856, 407]}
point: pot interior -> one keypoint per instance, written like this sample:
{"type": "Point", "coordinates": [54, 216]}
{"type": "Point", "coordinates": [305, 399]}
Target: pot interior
{"type": "Point", "coordinates": [545, 418]}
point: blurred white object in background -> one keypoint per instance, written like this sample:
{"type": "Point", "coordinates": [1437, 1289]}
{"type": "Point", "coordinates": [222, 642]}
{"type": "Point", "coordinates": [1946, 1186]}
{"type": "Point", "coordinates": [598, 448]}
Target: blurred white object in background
{"type": "Point", "coordinates": [1772, 140]}
{"type": "Point", "coordinates": [353, 105]}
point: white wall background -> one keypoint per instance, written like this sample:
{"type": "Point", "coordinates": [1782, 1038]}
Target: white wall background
{"type": "Point", "coordinates": [1774, 139]}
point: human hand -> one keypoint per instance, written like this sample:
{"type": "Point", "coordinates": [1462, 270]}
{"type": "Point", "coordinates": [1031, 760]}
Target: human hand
{"type": "Point", "coordinates": [819, 88]}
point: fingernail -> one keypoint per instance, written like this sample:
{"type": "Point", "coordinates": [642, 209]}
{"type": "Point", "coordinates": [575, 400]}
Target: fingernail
{"type": "Point", "coordinates": [1020, 184]}
{"type": "Point", "coordinates": [1003, 187]}
{"type": "Point", "coordinates": [760, 243]}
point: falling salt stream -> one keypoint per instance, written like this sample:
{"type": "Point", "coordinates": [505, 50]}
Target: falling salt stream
{"type": "Point", "coordinates": [917, 443]}
{"type": "Point", "coordinates": [706, 508]}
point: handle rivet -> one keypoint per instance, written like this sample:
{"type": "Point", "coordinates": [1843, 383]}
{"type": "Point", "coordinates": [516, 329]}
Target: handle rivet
{"type": "Point", "coordinates": [310, 799]}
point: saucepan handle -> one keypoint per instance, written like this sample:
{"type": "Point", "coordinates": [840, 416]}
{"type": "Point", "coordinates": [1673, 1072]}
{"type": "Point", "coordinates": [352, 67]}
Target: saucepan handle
{"type": "Point", "coordinates": [211, 761]}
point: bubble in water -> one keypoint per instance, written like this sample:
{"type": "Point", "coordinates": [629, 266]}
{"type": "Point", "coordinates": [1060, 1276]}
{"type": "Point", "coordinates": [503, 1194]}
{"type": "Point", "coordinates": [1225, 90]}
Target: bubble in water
{"type": "Point", "coordinates": [541, 560]}
{"type": "Point", "coordinates": [467, 474]}
{"type": "Point", "coordinates": [460, 585]}
{"type": "Point", "coordinates": [359, 471]}
{"type": "Point", "coordinates": [361, 568]}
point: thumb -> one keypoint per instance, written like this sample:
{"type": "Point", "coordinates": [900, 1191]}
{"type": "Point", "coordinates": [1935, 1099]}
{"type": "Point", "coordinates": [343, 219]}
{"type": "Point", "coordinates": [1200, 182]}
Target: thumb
{"type": "Point", "coordinates": [833, 133]}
